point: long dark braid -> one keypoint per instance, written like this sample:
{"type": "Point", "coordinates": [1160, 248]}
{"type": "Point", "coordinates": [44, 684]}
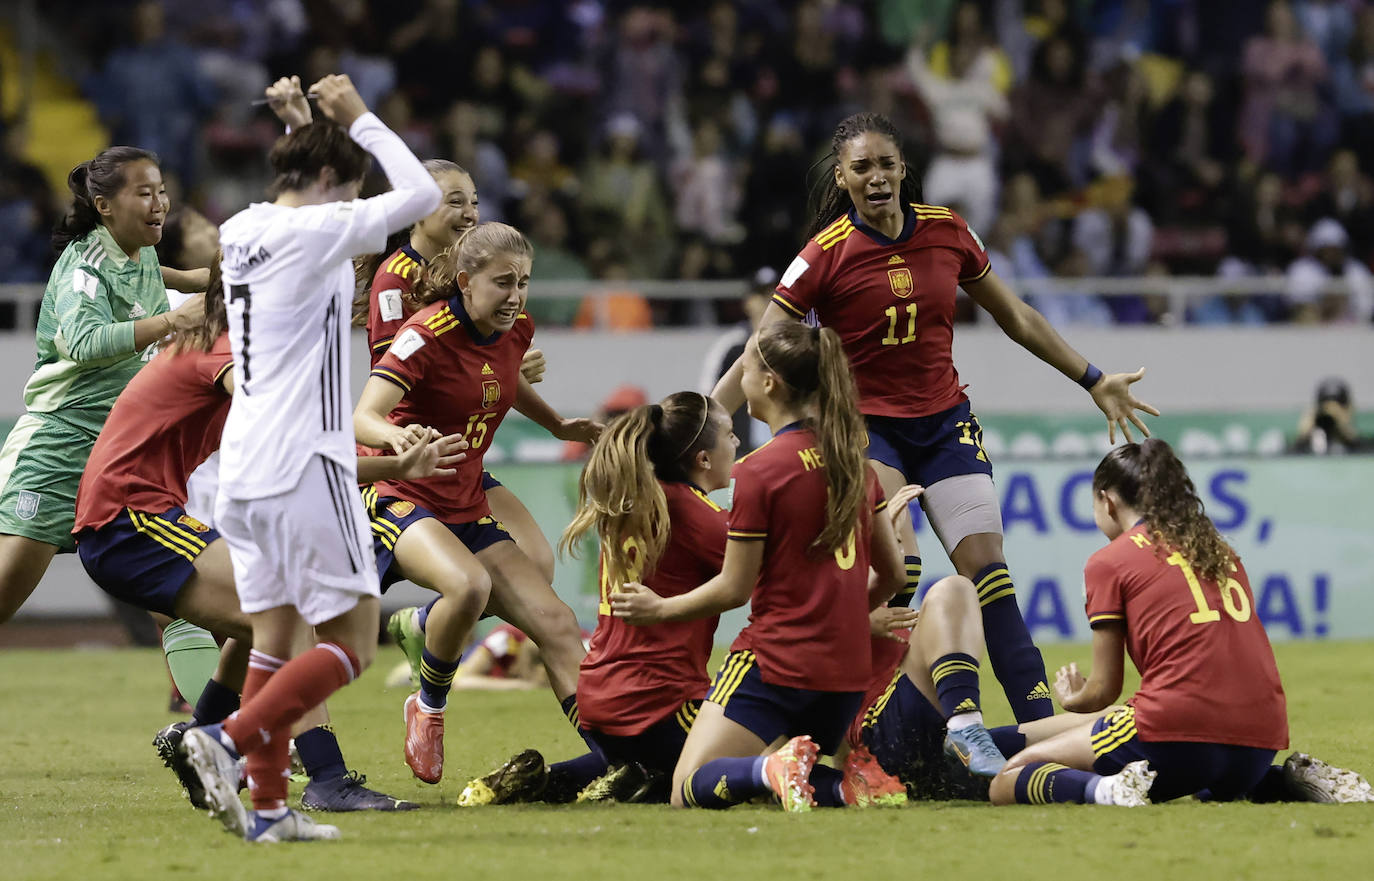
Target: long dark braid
{"type": "Point", "coordinates": [830, 201]}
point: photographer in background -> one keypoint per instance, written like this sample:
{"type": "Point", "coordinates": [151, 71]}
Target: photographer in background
{"type": "Point", "coordinates": [1328, 427]}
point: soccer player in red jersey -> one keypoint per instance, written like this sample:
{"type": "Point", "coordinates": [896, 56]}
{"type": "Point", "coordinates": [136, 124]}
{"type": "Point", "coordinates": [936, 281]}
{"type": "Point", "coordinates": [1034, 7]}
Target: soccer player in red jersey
{"type": "Point", "coordinates": [138, 543]}
{"type": "Point", "coordinates": [1167, 590]}
{"type": "Point", "coordinates": [643, 493]}
{"type": "Point", "coordinates": [882, 270]}
{"type": "Point", "coordinates": [455, 365]}
{"type": "Point", "coordinates": [802, 536]}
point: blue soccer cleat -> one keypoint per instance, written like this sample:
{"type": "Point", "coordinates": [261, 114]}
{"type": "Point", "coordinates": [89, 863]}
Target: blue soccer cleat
{"type": "Point", "coordinates": [974, 748]}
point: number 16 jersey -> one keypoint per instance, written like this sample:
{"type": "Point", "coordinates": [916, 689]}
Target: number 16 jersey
{"type": "Point", "coordinates": [892, 303]}
{"type": "Point", "coordinates": [459, 382]}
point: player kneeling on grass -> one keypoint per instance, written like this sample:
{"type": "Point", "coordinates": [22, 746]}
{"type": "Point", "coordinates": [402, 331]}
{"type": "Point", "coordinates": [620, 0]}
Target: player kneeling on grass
{"type": "Point", "coordinates": [643, 492]}
{"type": "Point", "coordinates": [802, 533]}
{"type": "Point", "coordinates": [288, 508]}
{"type": "Point", "coordinates": [1172, 593]}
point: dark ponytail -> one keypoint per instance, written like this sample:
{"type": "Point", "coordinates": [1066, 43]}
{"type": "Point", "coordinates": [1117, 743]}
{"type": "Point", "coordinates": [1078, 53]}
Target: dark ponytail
{"type": "Point", "coordinates": [365, 267]}
{"type": "Point", "coordinates": [1150, 479]}
{"type": "Point", "coordinates": [831, 201]}
{"type": "Point", "coordinates": [619, 496]}
{"type": "Point", "coordinates": [811, 362]}
{"type": "Point", "coordinates": [101, 176]}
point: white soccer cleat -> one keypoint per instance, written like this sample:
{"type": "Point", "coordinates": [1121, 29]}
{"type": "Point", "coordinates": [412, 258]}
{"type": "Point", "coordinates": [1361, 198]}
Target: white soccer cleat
{"type": "Point", "coordinates": [294, 826]}
{"type": "Point", "coordinates": [219, 774]}
{"type": "Point", "coordinates": [1131, 787]}
{"type": "Point", "coordinates": [1311, 779]}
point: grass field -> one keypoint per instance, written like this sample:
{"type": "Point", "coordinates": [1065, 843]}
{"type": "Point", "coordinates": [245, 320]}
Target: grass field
{"type": "Point", "coordinates": [82, 795]}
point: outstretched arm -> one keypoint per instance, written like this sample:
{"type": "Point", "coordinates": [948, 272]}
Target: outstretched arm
{"type": "Point", "coordinates": [727, 391]}
{"type": "Point", "coordinates": [730, 589]}
{"type": "Point", "coordinates": [1029, 329]}
{"type": "Point", "coordinates": [531, 404]}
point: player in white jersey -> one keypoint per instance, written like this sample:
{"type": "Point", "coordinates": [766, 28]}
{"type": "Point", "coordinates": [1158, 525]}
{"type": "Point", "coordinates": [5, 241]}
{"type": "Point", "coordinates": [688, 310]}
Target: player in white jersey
{"type": "Point", "coordinates": [288, 505]}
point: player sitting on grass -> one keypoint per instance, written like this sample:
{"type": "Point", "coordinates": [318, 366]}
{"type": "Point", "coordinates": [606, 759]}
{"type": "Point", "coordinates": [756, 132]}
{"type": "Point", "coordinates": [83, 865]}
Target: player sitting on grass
{"type": "Point", "coordinates": [1210, 713]}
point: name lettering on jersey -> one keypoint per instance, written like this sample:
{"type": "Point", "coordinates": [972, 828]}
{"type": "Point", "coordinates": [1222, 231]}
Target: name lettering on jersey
{"type": "Point", "coordinates": [491, 393]}
{"type": "Point", "coordinates": [895, 258]}
{"type": "Point", "coordinates": [811, 458]}
{"type": "Point", "coordinates": [487, 371]}
{"type": "Point", "coordinates": [794, 271]}
{"type": "Point", "coordinates": [1140, 540]}
{"type": "Point", "coordinates": [389, 305]}
{"type": "Point", "coordinates": [901, 281]}
{"type": "Point", "coordinates": [408, 343]}
{"type": "Point", "coordinates": [84, 282]}
{"type": "Point", "coordinates": [241, 257]}
{"type": "Point", "coordinates": [342, 211]}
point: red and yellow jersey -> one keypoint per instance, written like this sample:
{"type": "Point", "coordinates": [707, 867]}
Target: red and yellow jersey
{"type": "Point", "coordinates": [634, 677]}
{"type": "Point", "coordinates": [808, 618]}
{"type": "Point", "coordinates": [892, 303]}
{"type": "Point", "coordinates": [166, 422]}
{"type": "Point", "coordinates": [1207, 672]}
{"type": "Point", "coordinates": [459, 382]}
{"type": "Point", "coordinates": [389, 299]}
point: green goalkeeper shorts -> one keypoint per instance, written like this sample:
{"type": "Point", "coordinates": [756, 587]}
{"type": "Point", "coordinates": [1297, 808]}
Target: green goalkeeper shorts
{"type": "Point", "coordinates": [40, 469]}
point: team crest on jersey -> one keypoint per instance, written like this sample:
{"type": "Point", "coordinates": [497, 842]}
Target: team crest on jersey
{"type": "Point", "coordinates": [900, 279]}
{"type": "Point", "coordinates": [400, 509]}
{"type": "Point", "coordinates": [192, 523]}
{"type": "Point", "coordinates": [491, 393]}
{"type": "Point", "coordinates": [26, 505]}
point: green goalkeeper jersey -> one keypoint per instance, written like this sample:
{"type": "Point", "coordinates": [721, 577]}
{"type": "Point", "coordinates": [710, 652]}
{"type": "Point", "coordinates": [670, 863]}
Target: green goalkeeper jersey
{"type": "Point", "coordinates": [86, 352]}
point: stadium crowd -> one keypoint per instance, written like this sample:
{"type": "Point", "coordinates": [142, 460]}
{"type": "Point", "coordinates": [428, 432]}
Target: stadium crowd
{"type": "Point", "coordinates": [673, 140]}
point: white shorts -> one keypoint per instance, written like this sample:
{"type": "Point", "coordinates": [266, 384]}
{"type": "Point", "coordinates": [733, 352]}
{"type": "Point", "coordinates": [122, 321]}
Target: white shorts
{"type": "Point", "coordinates": [309, 547]}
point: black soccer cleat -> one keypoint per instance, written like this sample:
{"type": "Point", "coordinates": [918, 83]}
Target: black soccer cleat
{"type": "Point", "coordinates": [348, 793]}
{"type": "Point", "coordinates": [167, 742]}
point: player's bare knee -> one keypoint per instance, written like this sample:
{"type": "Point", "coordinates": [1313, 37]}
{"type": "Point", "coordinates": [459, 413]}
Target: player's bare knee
{"type": "Point", "coordinates": [1003, 788]}
{"type": "Point", "coordinates": [951, 594]}
{"type": "Point", "coordinates": [468, 590]}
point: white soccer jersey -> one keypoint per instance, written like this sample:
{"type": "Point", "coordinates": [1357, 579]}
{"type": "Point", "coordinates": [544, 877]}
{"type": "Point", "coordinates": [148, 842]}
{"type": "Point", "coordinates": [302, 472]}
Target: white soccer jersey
{"type": "Point", "coordinates": [288, 290]}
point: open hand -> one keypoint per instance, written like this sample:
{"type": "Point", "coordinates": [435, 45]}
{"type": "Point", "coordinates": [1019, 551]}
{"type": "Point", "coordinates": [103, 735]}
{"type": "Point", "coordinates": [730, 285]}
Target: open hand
{"type": "Point", "coordinates": [1112, 394]}
{"type": "Point", "coordinates": [581, 430]}
{"type": "Point", "coordinates": [1068, 682]}
{"type": "Point", "coordinates": [884, 622]}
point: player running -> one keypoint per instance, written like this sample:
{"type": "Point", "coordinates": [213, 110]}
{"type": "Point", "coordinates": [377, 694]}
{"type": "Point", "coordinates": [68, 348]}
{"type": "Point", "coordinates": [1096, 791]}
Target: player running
{"type": "Point", "coordinates": [643, 494]}
{"type": "Point", "coordinates": [1210, 713]}
{"type": "Point", "coordinates": [882, 270]}
{"type": "Point", "coordinates": [288, 509]}
{"type": "Point", "coordinates": [802, 536]}
{"type": "Point", "coordinates": [455, 365]}
{"type": "Point", "coordinates": [104, 307]}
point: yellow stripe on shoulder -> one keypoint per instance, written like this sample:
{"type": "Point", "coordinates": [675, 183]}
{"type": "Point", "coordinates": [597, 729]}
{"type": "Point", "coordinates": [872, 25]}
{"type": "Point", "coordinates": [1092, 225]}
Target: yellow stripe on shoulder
{"type": "Point", "coordinates": [390, 265]}
{"type": "Point", "coordinates": [759, 449]}
{"type": "Point", "coordinates": [382, 344]}
{"type": "Point", "coordinates": [838, 222]}
{"type": "Point", "coordinates": [440, 330]}
{"type": "Point", "coordinates": [838, 236]}
{"type": "Point", "coordinates": [442, 315]}
{"type": "Point", "coordinates": [931, 209]}
{"type": "Point", "coordinates": [787, 305]}
{"type": "Point", "coordinates": [707, 499]}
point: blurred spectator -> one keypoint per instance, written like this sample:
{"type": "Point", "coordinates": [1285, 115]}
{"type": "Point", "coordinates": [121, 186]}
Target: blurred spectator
{"type": "Point", "coordinates": [463, 138]}
{"type": "Point", "coordinates": [1328, 260]}
{"type": "Point", "coordinates": [1191, 145]}
{"type": "Point", "coordinates": [1352, 76]}
{"type": "Point", "coordinates": [725, 351]}
{"type": "Point", "coordinates": [965, 104]}
{"type": "Point", "coordinates": [151, 93]}
{"type": "Point", "coordinates": [622, 400]}
{"type": "Point", "coordinates": [615, 306]}
{"type": "Point", "coordinates": [1283, 121]}
{"type": "Point", "coordinates": [425, 45]}
{"type": "Point", "coordinates": [1051, 114]}
{"type": "Point", "coordinates": [547, 226]}
{"type": "Point", "coordinates": [704, 186]}
{"type": "Point", "coordinates": [28, 211]}
{"type": "Point", "coordinates": [1328, 23]}
{"type": "Point", "coordinates": [541, 170]}
{"type": "Point", "coordinates": [1119, 132]}
{"type": "Point", "coordinates": [1328, 426]}
{"type": "Point", "coordinates": [621, 197]}
{"type": "Point", "coordinates": [1347, 195]}
{"type": "Point", "coordinates": [645, 78]}
{"type": "Point", "coordinates": [1265, 231]}
{"type": "Point", "coordinates": [775, 193]}
{"type": "Point", "coordinates": [1115, 235]}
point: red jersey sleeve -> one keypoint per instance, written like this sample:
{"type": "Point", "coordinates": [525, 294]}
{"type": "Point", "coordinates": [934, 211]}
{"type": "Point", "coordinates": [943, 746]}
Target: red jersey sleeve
{"type": "Point", "coordinates": [1102, 584]}
{"type": "Point", "coordinates": [750, 506]}
{"type": "Point", "coordinates": [212, 365]}
{"type": "Point", "coordinates": [801, 287]}
{"type": "Point", "coordinates": [387, 309]}
{"type": "Point", "coordinates": [408, 357]}
{"type": "Point", "coordinates": [973, 263]}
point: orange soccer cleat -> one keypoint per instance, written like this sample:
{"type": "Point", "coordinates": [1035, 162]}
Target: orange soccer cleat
{"type": "Point", "coordinates": [866, 784]}
{"type": "Point", "coordinates": [424, 741]}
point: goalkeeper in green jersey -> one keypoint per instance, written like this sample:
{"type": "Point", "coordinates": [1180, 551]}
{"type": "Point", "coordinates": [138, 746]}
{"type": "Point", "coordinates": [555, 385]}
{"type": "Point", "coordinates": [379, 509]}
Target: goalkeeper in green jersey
{"type": "Point", "coordinates": [104, 309]}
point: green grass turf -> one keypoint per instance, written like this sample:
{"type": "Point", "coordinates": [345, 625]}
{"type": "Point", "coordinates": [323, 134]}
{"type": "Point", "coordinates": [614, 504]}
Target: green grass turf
{"type": "Point", "coordinates": [82, 795]}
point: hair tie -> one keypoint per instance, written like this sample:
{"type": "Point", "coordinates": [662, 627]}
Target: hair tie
{"type": "Point", "coordinates": [656, 414]}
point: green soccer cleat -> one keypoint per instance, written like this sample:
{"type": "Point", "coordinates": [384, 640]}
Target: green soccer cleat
{"type": "Point", "coordinates": [786, 772]}
{"type": "Point", "coordinates": [974, 748]}
{"type": "Point", "coordinates": [523, 778]}
{"type": "Point", "coordinates": [411, 639]}
{"type": "Point", "coordinates": [1311, 779]}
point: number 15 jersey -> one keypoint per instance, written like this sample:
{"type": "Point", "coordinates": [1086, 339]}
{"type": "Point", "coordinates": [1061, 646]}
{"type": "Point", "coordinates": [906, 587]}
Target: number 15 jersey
{"type": "Point", "coordinates": [892, 303]}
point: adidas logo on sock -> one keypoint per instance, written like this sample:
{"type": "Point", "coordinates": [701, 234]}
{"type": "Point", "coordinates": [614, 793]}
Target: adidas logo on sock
{"type": "Point", "coordinates": [966, 706]}
{"type": "Point", "coordinates": [1040, 692]}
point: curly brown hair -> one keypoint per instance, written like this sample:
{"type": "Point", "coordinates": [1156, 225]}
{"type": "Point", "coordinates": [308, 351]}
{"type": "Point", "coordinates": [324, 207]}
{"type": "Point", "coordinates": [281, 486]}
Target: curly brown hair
{"type": "Point", "coordinates": [1150, 478]}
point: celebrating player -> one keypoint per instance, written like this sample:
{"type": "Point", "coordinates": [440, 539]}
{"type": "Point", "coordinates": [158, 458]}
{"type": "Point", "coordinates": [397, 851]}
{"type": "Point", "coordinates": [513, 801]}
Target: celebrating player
{"type": "Point", "coordinates": [881, 269]}
{"type": "Point", "coordinates": [801, 541]}
{"type": "Point", "coordinates": [288, 509]}
{"type": "Point", "coordinates": [104, 305]}
{"type": "Point", "coordinates": [1210, 711]}
{"type": "Point", "coordinates": [643, 493]}
{"type": "Point", "coordinates": [455, 365]}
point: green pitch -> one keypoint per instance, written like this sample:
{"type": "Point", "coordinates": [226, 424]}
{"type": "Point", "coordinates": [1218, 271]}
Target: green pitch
{"type": "Point", "coordinates": [82, 796]}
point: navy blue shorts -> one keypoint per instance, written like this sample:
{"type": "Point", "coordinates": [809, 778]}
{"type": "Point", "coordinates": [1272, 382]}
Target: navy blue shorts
{"type": "Point", "coordinates": [907, 737]}
{"type": "Point", "coordinates": [1224, 771]}
{"type": "Point", "coordinates": [391, 516]}
{"type": "Point", "coordinates": [771, 711]}
{"type": "Point", "coordinates": [927, 449]}
{"type": "Point", "coordinates": [656, 747]}
{"type": "Point", "coordinates": [489, 482]}
{"type": "Point", "coordinates": [145, 559]}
